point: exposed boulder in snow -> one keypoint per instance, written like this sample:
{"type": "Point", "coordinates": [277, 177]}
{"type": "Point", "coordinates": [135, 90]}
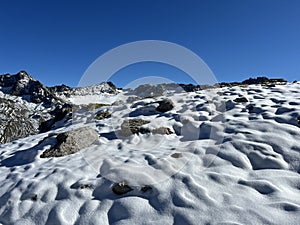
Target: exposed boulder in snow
{"type": "Point", "coordinates": [71, 142]}
{"type": "Point", "coordinates": [102, 115]}
{"type": "Point", "coordinates": [121, 188]}
{"type": "Point", "coordinates": [176, 155]}
{"type": "Point", "coordinates": [162, 130]}
{"type": "Point", "coordinates": [165, 105]}
{"type": "Point", "coordinates": [134, 126]}
{"type": "Point", "coordinates": [241, 100]}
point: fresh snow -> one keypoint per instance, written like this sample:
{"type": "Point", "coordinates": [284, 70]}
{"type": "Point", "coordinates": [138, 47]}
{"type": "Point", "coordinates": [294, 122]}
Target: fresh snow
{"type": "Point", "coordinates": [238, 165]}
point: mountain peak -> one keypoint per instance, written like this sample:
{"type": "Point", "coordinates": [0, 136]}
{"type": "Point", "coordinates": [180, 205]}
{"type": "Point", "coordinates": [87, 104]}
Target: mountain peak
{"type": "Point", "coordinates": [25, 86]}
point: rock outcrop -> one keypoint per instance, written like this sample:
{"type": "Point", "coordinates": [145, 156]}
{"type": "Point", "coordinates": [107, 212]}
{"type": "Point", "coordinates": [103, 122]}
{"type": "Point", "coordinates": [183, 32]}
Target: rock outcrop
{"type": "Point", "coordinates": [71, 142]}
{"type": "Point", "coordinates": [15, 121]}
{"type": "Point", "coordinates": [165, 105]}
{"type": "Point", "coordinates": [134, 126]}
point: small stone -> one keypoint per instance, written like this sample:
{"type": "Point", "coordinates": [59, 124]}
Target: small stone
{"type": "Point", "coordinates": [102, 115]}
{"type": "Point", "coordinates": [241, 100]}
{"type": "Point", "coordinates": [34, 198]}
{"type": "Point", "coordinates": [121, 188]}
{"type": "Point", "coordinates": [85, 186]}
{"type": "Point", "coordinates": [176, 155]}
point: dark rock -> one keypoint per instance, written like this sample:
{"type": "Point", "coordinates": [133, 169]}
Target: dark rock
{"type": "Point", "coordinates": [86, 186]}
{"type": "Point", "coordinates": [102, 115]}
{"type": "Point", "coordinates": [121, 188]}
{"type": "Point", "coordinates": [165, 105]}
{"type": "Point", "coordinates": [258, 80]}
{"type": "Point", "coordinates": [162, 131]}
{"type": "Point", "coordinates": [241, 100]}
{"type": "Point", "coordinates": [176, 155]}
{"type": "Point", "coordinates": [71, 142]}
{"type": "Point", "coordinates": [60, 89]}
{"type": "Point", "coordinates": [190, 87]}
{"type": "Point", "coordinates": [34, 197]}
{"type": "Point", "coordinates": [133, 126]}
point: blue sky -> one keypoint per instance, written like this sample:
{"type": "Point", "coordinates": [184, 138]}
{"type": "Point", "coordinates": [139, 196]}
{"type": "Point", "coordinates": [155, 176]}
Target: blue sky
{"type": "Point", "coordinates": [56, 41]}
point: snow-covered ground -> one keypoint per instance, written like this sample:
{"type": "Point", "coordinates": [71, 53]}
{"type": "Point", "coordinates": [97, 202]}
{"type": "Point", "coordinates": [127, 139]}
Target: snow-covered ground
{"type": "Point", "coordinates": [225, 163]}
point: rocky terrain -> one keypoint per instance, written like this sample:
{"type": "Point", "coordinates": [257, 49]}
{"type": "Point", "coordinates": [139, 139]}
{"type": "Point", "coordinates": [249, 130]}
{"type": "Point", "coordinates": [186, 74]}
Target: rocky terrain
{"type": "Point", "coordinates": [163, 154]}
{"type": "Point", "coordinates": [28, 107]}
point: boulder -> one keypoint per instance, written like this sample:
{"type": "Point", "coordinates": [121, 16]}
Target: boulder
{"type": "Point", "coordinates": [165, 105]}
{"type": "Point", "coordinates": [71, 142]}
{"type": "Point", "coordinates": [102, 115]}
{"type": "Point", "coordinates": [176, 155]}
{"type": "Point", "coordinates": [121, 188]}
{"type": "Point", "coordinates": [134, 126]}
{"type": "Point", "coordinates": [241, 100]}
{"type": "Point", "coordinates": [162, 131]}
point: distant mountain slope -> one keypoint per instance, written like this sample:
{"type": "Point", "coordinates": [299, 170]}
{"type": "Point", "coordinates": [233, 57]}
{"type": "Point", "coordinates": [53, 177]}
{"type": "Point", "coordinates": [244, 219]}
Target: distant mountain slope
{"type": "Point", "coordinates": [25, 86]}
{"type": "Point", "coordinates": [104, 87]}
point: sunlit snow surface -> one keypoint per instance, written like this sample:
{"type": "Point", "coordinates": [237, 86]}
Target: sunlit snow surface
{"type": "Point", "coordinates": [238, 166]}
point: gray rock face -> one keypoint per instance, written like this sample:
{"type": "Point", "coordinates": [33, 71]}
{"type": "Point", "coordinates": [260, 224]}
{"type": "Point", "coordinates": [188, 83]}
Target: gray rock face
{"type": "Point", "coordinates": [133, 126]}
{"type": "Point", "coordinates": [71, 142]}
{"type": "Point", "coordinates": [104, 87]}
{"type": "Point", "coordinates": [165, 105]}
{"type": "Point", "coordinates": [14, 121]}
{"type": "Point", "coordinates": [162, 131]}
{"type": "Point", "coordinates": [147, 90]}
{"type": "Point", "coordinates": [37, 108]}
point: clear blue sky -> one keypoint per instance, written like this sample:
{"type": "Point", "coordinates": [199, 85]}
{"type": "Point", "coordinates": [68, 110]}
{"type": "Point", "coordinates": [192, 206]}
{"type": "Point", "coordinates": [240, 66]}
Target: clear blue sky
{"type": "Point", "coordinates": [55, 41]}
